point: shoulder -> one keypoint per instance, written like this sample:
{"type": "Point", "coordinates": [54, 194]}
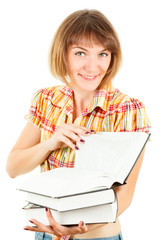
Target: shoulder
{"type": "Point", "coordinates": [131, 112]}
{"type": "Point", "coordinates": [125, 102]}
{"type": "Point", "coordinates": [48, 94]}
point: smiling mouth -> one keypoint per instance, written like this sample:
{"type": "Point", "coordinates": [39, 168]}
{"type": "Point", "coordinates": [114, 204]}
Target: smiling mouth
{"type": "Point", "coordinates": [88, 77]}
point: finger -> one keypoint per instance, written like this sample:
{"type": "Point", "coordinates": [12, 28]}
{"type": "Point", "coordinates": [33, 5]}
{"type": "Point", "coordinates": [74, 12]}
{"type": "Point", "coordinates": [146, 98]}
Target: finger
{"type": "Point", "coordinates": [73, 136]}
{"type": "Point", "coordinates": [80, 228]}
{"type": "Point", "coordinates": [62, 230]}
{"type": "Point", "coordinates": [29, 228]}
{"type": "Point", "coordinates": [39, 227]}
{"type": "Point", "coordinates": [46, 229]}
{"type": "Point", "coordinates": [53, 224]}
{"type": "Point", "coordinates": [78, 129]}
{"type": "Point", "coordinates": [51, 219]}
{"type": "Point", "coordinates": [87, 131]}
{"type": "Point", "coordinates": [59, 229]}
{"type": "Point", "coordinates": [76, 126]}
{"type": "Point", "coordinates": [69, 137]}
{"type": "Point", "coordinates": [83, 226]}
{"type": "Point", "coordinates": [67, 141]}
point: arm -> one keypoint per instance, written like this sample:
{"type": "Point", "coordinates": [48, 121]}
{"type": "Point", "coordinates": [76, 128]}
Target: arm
{"type": "Point", "coordinates": [29, 152]}
{"type": "Point", "coordinates": [125, 193]}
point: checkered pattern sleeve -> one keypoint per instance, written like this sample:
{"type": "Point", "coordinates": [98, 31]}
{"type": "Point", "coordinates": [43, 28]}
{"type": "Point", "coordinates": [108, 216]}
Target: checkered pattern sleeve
{"type": "Point", "coordinates": [36, 109]}
{"type": "Point", "coordinates": [132, 117]}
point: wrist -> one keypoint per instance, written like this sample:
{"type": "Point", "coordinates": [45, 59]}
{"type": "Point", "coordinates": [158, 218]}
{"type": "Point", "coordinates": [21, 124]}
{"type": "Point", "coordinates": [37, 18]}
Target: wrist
{"type": "Point", "coordinates": [47, 146]}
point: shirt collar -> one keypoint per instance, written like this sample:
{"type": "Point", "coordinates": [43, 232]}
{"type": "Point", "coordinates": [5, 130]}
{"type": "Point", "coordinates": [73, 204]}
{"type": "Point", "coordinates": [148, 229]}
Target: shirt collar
{"type": "Point", "coordinates": [102, 98]}
{"type": "Point", "coordinates": [63, 99]}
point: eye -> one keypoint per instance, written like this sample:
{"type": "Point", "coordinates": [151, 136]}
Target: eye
{"type": "Point", "coordinates": [103, 54]}
{"type": "Point", "coordinates": [80, 54]}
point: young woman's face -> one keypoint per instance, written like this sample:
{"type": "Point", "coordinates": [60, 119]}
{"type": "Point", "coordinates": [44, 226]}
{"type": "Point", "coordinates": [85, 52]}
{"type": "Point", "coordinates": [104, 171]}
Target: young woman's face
{"type": "Point", "coordinates": [87, 65]}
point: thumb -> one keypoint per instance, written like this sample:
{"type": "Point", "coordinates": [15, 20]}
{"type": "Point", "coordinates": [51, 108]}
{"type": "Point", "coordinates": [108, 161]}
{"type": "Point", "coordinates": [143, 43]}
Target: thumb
{"type": "Point", "coordinates": [83, 226]}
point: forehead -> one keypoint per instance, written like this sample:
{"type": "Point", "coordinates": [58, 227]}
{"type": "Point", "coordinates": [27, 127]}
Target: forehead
{"type": "Point", "coordinates": [87, 43]}
{"type": "Point", "coordinates": [87, 47]}
{"type": "Point", "coordinates": [88, 40]}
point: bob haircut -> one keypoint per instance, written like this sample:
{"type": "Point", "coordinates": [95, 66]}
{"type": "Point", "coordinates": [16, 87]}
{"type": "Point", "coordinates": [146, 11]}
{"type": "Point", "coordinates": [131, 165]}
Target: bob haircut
{"type": "Point", "coordinates": [84, 25]}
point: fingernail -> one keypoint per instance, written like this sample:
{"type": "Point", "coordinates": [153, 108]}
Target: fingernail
{"type": "Point", "coordinates": [25, 228]}
{"type": "Point", "coordinates": [87, 132]}
{"type": "Point", "coordinates": [92, 130]}
{"type": "Point", "coordinates": [30, 221]}
{"type": "Point", "coordinates": [76, 148]}
{"type": "Point", "coordinates": [46, 209]}
{"type": "Point", "coordinates": [82, 141]}
{"type": "Point", "coordinates": [82, 223]}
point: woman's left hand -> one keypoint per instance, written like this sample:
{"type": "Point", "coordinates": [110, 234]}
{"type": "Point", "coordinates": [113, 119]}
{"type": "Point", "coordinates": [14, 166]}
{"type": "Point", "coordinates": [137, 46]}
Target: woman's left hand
{"type": "Point", "coordinates": [55, 228]}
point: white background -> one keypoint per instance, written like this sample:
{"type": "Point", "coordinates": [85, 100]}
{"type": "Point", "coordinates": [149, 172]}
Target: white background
{"type": "Point", "coordinates": [27, 28]}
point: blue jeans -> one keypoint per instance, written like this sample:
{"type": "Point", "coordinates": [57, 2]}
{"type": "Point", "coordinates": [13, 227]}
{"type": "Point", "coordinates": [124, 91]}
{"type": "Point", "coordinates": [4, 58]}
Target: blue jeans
{"type": "Point", "coordinates": [44, 236]}
{"type": "Point", "coordinates": [117, 237]}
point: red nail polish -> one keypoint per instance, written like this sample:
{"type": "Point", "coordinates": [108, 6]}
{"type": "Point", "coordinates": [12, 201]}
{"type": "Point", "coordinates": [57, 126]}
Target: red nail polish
{"type": "Point", "coordinates": [30, 221]}
{"type": "Point", "coordinates": [25, 228]}
{"type": "Point", "coordinates": [82, 141]}
{"type": "Point", "coordinates": [46, 209]}
{"type": "Point", "coordinates": [82, 223]}
{"type": "Point", "coordinates": [92, 131]}
{"type": "Point", "coordinates": [87, 132]}
{"type": "Point", "coordinates": [76, 148]}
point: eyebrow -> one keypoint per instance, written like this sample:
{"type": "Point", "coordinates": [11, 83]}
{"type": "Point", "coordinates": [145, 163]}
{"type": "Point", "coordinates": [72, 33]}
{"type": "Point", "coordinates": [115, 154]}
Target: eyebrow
{"type": "Point", "coordinates": [84, 49]}
{"type": "Point", "coordinates": [80, 48]}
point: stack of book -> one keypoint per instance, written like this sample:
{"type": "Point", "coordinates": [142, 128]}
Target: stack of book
{"type": "Point", "coordinates": [71, 197]}
{"type": "Point", "coordinates": [86, 192]}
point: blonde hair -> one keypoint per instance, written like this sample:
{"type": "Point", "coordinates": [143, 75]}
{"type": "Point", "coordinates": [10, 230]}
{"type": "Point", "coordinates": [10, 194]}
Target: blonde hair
{"type": "Point", "coordinates": [89, 25]}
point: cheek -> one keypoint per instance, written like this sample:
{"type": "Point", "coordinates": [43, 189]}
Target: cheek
{"type": "Point", "coordinates": [76, 67]}
{"type": "Point", "coordinates": [107, 64]}
{"type": "Point", "coordinates": [72, 64]}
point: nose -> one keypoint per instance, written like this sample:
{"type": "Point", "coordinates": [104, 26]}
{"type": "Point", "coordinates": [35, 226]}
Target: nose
{"type": "Point", "coordinates": [91, 65]}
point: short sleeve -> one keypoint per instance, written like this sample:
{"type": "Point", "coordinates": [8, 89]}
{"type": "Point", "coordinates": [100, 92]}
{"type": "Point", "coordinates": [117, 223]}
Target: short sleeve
{"type": "Point", "coordinates": [132, 117]}
{"type": "Point", "coordinates": [36, 109]}
{"type": "Point", "coordinates": [141, 118]}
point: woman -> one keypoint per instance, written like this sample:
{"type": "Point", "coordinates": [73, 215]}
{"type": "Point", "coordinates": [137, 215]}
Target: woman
{"type": "Point", "coordinates": [85, 55]}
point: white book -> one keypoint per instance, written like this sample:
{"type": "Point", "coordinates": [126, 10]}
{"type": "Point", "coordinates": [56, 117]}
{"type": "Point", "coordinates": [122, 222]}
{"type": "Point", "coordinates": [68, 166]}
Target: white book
{"type": "Point", "coordinates": [114, 153]}
{"type": "Point", "coordinates": [63, 182]}
{"type": "Point", "coordinates": [104, 213]}
{"type": "Point", "coordinates": [73, 202]}
{"type": "Point", "coordinates": [104, 160]}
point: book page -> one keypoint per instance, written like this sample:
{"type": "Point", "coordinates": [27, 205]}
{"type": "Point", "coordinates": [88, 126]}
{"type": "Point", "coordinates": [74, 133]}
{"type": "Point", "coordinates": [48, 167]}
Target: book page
{"type": "Point", "coordinates": [66, 181]}
{"type": "Point", "coordinates": [105, 158]}
{"type": "Point", "coordinates": [112, 152]}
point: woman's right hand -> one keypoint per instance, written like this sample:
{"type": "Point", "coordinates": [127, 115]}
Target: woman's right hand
{"type": "Point", "coordinates": [67, 135]}
{"type": "Point", "coordinates": [29, 151]}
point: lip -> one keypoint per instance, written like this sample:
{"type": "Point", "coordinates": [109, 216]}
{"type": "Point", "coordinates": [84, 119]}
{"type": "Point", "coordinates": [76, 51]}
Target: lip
{"type": "Point", "coordinates": [88, 77]}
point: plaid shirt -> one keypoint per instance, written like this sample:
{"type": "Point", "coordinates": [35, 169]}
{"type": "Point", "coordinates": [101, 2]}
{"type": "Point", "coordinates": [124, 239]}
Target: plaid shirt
{"type": "Point", "coordinates": [109, 111]}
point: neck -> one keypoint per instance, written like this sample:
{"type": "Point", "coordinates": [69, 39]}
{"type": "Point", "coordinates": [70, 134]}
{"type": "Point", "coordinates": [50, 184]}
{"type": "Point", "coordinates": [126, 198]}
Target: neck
{"type": "Point", "coordinates": [81, 101]}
